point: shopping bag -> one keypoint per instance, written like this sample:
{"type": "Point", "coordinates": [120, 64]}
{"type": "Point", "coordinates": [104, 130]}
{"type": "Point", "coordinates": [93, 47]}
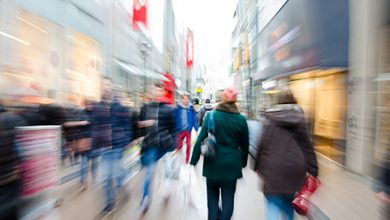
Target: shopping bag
{"type": "Point", "coordinates": [255, 129]}
{"type": "Point", "coordinates": [131, 163]}
{"type": "Point", "coordinates": [194, 137]}
{"type": "Point", "coordinates": [82, 144]}
{"type": "Point", "coordinates": [170, 169]}
{"type": "Point", "coordinates": [194, 191]}
{"type": "Point", "coordinates": [301, 202]}
{"type": "Point", "coordinates": [172, 164]}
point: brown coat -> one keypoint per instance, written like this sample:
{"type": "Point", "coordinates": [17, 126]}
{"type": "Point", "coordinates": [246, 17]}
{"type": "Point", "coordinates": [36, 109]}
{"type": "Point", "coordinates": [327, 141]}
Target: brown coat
{"type": "Point", "coordinates": [285, 154]}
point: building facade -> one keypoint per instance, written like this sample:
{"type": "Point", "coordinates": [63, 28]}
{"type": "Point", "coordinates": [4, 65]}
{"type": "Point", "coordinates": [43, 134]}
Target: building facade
{"type": "Point", "coordinates": [334, 57]}
{"type": "Point", "coordinates": [69, 45]}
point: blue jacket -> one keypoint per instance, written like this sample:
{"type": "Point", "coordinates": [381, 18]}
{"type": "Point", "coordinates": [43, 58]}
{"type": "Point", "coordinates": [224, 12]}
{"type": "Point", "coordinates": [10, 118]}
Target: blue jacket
{"type": "Point", "coordinates": [191, 117]}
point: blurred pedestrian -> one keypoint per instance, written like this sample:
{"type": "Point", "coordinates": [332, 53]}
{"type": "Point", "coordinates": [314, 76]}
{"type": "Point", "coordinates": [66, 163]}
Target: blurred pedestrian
{"type": "Point", "coordinates": [101, 123]}
{"type": "Point", "coordinates": [285, 156]}
{"type": "Point", "coordinates": [157, 117]}
{"type": "Point", "coordinates": [231, 155]}
{"type": "Point", "coordinates": [10, 158]}
{"type": "Point", "coordinates": [71, 130]}
{"type": "Point", "coordinates": [202, 112]}
{"type": "Point", "coordinates": [186, 119]}
{"type": "Point", "coordinates": [85, 137]}
{"type": "Point", "coordinates": [122, 135]}
{"type": "Point", "coordinates": [196, 104]}
{"type": "Point", "coordinates": [384, 193]}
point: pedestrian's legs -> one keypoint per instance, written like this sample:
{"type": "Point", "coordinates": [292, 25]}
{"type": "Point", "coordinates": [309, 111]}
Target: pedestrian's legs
{"type": "Point", "coordinates": [118, 169]}
{"type": "Point", "coordinates": [64, 153]}
{"type": "Point", "coordinates": [212, 199]}
{"type": "Point", "coordinates": [84, 167]}
{"type": "Point", "coordinates": [188, 142]}
{"type": "Point", "coordinates": [76, 157]}
{"type": "Point", "coordinates": [9, 200]}
{"type": "Point", "coordinates": [228, 189]}
{"type": "Point", "coordinates": [94, 155]}
{"type": "Point", "coordinates": [149, 161]}
{"type": "Point", "coordinates": [180, 137]}
{"type": "Point", "coordinates": [274, 209]}
{"type": "Point", "coordinates": [107, 159]}
{"type": "Point", "coordinates": [287, 207]}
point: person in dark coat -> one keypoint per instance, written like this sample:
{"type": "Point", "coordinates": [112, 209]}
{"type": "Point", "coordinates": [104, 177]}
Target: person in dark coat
{"type": "Point", "coordinates": [202, 112]}
{"type": "Point", "coordinates": [285, 155]}
{"type": "Point", "coordinates": [10, 158]}
{"type": "Point", "coordinates": [223, 170]}
{"type": "Point", "coordinates": [384, 192]}
{"type": "Point", "coordinates": [158, 119]}
{"type": "Point", "coordinates": [101, 122]}
{"type": "Point", "coordinates": [122, 134]}
{"type": "Point", "coordinates": [85, 132]}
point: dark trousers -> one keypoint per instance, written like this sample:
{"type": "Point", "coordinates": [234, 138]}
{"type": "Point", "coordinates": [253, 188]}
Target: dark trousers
{"type": "Point", "coordinates": [9, 200]}
{"type": "Point", "coordinates": [227, 190]}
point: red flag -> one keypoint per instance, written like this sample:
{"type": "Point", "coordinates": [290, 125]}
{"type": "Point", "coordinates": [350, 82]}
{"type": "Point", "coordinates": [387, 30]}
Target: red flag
{"type": "Point", "coordinates": [140, 14]}
{"type": "Point", "coordinates": [190, 49]}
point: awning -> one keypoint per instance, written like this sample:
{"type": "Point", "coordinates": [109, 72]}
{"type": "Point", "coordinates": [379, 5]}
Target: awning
{"type": "Point", "coordinates": [156, 75]}
{"type": "Point", "coordinates": [132, 69]}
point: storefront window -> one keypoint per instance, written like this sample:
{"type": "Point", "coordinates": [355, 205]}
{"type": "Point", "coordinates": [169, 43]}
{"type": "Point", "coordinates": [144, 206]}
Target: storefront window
{"type": "Point", "coordinates": [383, 96]}
{"type": "Point", "coordinates": [83, 69]}
{"type": "Point", "coordinates": [33, 48]}
{"type": "Point", "coordinates": [322, 95]}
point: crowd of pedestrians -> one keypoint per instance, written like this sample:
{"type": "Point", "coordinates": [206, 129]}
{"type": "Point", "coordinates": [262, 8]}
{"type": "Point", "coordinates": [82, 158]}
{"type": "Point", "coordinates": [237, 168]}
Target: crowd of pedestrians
{"type": "Point", "coordinates": [99, 133]}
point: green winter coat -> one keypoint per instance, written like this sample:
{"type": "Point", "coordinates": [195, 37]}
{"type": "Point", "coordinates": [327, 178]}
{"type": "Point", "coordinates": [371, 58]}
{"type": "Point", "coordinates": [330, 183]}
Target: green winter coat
{"type": "Point", "coordinates": [231, 133]}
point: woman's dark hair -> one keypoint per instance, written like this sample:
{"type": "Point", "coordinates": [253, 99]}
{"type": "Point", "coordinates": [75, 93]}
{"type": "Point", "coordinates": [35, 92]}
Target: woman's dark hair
{"type": "Point", "coordinates": [286, 97]}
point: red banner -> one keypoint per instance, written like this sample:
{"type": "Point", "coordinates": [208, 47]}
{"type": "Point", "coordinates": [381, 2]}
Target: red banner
{"type": "Point", "coordinates": [140, 13]}
{"type": "Point", "coordinates": [190, 49]}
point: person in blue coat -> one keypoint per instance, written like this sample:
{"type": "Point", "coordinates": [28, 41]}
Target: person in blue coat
{"type": "Point", "coordinates": [187, 121]}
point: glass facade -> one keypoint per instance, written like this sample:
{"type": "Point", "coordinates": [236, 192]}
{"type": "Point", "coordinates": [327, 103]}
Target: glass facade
{"type": "Point", "coordinates": [38, 55]}
{"type": "Point", "coordinates": [322, 94]}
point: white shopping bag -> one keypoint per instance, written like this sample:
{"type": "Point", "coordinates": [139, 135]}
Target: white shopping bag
{"type": "Point", "coordinates": [194, 137]}
{"type": "Point", "coordinates": [194, 192]}
{"type": "Point", "coordinates": [131, 163]}
{"type": "Point", "coordinates": [170, 169]}
{"type": "Point", "coordinates": [172, 164]}
{"type": "Point", "coordinates": [255, 129]}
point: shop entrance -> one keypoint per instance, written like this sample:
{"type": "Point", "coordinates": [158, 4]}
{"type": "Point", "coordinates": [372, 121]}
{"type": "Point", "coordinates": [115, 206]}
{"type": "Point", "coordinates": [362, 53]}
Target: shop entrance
{"type": "Point", "coordinates": [322, 95]}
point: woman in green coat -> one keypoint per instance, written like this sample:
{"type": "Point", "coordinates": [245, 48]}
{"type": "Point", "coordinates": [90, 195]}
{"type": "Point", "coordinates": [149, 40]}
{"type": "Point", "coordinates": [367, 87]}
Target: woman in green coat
{"type": "Point", "coordinates": [223, 170]}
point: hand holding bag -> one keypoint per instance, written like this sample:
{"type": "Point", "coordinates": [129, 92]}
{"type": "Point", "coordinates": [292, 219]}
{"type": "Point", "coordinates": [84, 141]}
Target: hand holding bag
{"type": "Point", "coordinates": [301, 202]}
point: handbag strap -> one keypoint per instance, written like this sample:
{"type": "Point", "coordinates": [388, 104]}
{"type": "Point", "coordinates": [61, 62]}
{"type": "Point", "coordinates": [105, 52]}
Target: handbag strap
{"type": "Point", "coordinates": [211, 123]}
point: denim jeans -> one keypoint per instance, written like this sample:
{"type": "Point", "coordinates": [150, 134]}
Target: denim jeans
{"type": "Point", "coordinates": [227, 190]}
{"type": "Point", "coordinates": [92, 155]}
{"type": "Point", "coordinates": [113, 173]}
{"type": "Point", "coordinates": [279, 206]}
{"type": "Point", "coordinates": [149, 159]}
